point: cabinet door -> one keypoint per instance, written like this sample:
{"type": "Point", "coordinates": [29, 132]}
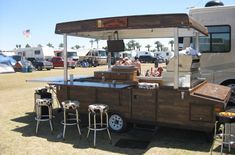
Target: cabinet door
{"type": "Point", "coordinates": [201, 112]}
{"type": "Point", "coordinates": [144, 104]}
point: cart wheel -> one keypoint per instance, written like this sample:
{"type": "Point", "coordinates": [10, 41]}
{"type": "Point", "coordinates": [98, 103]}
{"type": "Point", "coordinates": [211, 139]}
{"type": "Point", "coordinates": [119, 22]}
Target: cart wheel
{"type": "Point", "coordinates": [117, 123]}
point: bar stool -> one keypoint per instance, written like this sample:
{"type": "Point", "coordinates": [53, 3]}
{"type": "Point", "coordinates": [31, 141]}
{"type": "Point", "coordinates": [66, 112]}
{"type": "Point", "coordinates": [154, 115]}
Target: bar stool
{"type": "Point", "coordinates": [70, 106]}
{"type": "Point", "coordinates": [224, 119]}
{"type": "Point", "coordinates": [102, 110]}
{"type": "Point", "coordinates": [39, 104]}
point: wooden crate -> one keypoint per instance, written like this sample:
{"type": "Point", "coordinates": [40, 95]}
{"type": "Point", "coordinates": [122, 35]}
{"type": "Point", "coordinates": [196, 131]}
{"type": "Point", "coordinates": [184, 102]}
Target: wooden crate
{"type": "Point", "coordinates": [129, 76]}
{"type": "Point", "coordinates": [99, 74]}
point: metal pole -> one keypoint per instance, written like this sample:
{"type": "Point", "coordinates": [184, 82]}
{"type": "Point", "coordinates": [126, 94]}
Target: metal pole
{"type": "Point", "coordinates": [176, 56]}
{"type": "Point", "coordinates": [197, 41]}
{"type": "Point", "coordinates": [65, 59]}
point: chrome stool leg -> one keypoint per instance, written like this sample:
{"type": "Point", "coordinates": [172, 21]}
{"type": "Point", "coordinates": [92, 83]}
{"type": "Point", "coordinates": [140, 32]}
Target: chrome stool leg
{"type": "Point", "coordinates": [77, 120]}
{"type": "Point", "coordinates": [64, 122]}
{"type": "Point", "coordinates": [107, 122]}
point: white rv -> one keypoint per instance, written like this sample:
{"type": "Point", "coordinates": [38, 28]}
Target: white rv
{"type": "Point", "coordinates": [36, 52]}
{"type": "Point", "coordinates": [166, 55]}
{"type": "Point", "coordinates": [217, 61]}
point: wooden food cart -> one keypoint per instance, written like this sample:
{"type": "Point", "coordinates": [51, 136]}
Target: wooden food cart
{"type": "Point", "coordinates": [161, 101]}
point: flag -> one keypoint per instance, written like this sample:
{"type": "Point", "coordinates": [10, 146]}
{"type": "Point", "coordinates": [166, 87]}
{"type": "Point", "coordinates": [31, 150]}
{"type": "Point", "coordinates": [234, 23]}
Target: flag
{"type": "Point", "coordinates": [26, 33]}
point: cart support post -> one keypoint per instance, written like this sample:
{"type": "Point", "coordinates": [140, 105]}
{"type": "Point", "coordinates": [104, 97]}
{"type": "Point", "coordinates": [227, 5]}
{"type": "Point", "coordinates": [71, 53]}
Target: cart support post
{"type": "Point", "coordinates": [65, 59]}
{"type": "Point", "coordinates": [176, 55]}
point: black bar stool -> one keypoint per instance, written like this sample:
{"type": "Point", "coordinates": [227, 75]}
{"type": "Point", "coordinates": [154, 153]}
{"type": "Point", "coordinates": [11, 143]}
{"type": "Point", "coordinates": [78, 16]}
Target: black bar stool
{"type": "Point", "coordinates": [45, 103]}
{"type": "Point", "coordinates": [102, 110]}
{"type": "Point", "coordinates": [224, 120]}
{"type": "Point", "coordinates": [71, 106]}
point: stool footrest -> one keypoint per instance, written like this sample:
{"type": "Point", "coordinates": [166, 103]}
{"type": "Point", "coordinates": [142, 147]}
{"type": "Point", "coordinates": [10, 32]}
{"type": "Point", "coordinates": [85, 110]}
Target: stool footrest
{"type": "Point", "coordinates": [43, 118]}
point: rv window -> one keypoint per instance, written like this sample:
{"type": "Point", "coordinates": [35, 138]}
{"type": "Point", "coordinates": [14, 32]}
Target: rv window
{"type": "Point", "coordinates": [218, 40]}
{"type": "Point", "coordinates": [102, 53]}
{"type": "Point", "coordinates": [37, 52]}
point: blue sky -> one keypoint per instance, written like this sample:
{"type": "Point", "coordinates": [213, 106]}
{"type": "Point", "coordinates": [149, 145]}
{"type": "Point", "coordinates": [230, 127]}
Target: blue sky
{"type": "Point", "coordinates": [41, 16]}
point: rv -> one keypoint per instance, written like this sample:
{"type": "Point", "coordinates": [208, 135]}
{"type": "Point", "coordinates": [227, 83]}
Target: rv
{"type": "Point", "coordinates": [166, 55]}
{"type": "Point", "coordinates": [71, 53]}
{"type": "Point", "coordinates": [36, 52]}
{"type": "Point", "coordinates": [95, 57]}
{"type": "Point", "coordinates": [218, 48]}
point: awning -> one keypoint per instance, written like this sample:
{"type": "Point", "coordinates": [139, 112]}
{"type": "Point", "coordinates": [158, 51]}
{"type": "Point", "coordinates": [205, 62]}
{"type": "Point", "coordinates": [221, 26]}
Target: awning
{"type": "Point", "coordinates": [148, 26]}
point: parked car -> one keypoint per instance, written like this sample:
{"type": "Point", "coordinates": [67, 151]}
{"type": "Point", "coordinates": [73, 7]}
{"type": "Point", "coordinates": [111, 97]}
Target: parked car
{"type": "Point", "coordinates": [147, 59]}
{"type": "Point", "coordinates": [59, 62]}
{"type": "Point", "coordinates": [40, 64]}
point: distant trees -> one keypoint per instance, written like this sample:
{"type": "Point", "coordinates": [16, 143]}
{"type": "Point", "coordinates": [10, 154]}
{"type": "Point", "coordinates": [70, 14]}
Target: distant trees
{"type": "Point", "coordinates": [172, 43]}
{"type": "Point", "coordinates": [39, 45]}
{"type": "Point", "coordinates": [158, 45]}
{"type": "Point", "coordinates": [77, 46]}
{"type": "Point", "coordinates": [97, 43]}
{"type": "Point", "coordinates": [92, 42]}
{"type": "Point", "coordinates": [27, 46]}
{"type": "Point", "coordinates": [61, 45]}
{"type": "Point", "coordinates": [18, 46]}
{"type": "Point", "coordinates": [132, 45]}
{"type": "Point", "coordinates": [50, 45]}
{"type": "Point", "coordinates": [148, 46]}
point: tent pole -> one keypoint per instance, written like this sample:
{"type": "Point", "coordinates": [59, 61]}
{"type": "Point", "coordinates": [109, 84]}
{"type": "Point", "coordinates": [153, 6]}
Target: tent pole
{"type": "Point", "coordinates": [65, 59]}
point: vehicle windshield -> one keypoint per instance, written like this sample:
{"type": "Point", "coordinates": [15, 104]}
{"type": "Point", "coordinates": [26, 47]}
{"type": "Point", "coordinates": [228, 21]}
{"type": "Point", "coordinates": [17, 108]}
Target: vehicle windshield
{"type": "Point", "coordinates": [102, 53]}
{"type": "Point", "coordinates": [72, 54]}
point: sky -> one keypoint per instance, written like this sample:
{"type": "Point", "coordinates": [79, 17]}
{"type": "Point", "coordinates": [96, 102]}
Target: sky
{"type": "Point", "coordinates": [41, 16]}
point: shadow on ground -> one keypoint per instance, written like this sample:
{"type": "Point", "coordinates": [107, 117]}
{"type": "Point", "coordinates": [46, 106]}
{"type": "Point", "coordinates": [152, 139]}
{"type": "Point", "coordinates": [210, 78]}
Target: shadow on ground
{"type": "Point", "coordinates": [160, 138]}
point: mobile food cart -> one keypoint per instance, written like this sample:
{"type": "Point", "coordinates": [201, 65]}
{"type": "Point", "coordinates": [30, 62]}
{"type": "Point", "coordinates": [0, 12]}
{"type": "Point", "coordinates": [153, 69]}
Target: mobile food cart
{"type": "Point", "coordinates": [169, 100]}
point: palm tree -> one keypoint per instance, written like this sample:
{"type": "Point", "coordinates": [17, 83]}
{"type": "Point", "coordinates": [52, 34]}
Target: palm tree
{"type": "Point", "coordinates": [27, 46]}
{"type": "Point", "coordinates": [50, 45]}
{"type": "Point", "coordinates": [148, 46]}
{"type": "Point", "coordinates": [158, 45]}
{"type": "Point", "coordinates": [131, 44]}
{"type": "Point", "coordinates": [172, 43]}
{"type": "Point", "coordinates": [77, 47]}
{"type": "Point", "coordinates": [137, 45]}
{"type": "Point", "coordinates": [61, 45]}
{"type": "Point", "coordinates": [91, 41]}
{"type": "Point", "coordinates": [39, 45]}
{"type": "Point", "coordinates": [97, 43]}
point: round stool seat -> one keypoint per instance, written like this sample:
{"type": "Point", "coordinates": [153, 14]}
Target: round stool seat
{"type": "Point", "coordinates": [44, 102]}
{"type": "Point", "coordinates": [225, 117]}
{"type": "Point", "coordinates": [69, 104]}
{"type": "Point", "coordinates": [98, 108]}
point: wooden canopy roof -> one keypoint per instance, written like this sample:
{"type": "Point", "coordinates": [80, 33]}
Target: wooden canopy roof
{"type": "Point", "coordinates": [132, 27]}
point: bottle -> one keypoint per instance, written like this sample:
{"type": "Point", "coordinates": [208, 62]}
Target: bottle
{"type": "Point", "coordinates": [103, 77]}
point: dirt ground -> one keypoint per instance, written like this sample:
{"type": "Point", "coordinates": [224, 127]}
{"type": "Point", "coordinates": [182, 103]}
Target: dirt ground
{"type": "Point", "coordinates": [17, 126]}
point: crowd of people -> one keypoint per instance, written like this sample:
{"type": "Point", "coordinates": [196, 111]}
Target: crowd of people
{"type": "Point", "coordinates": [126, 61]}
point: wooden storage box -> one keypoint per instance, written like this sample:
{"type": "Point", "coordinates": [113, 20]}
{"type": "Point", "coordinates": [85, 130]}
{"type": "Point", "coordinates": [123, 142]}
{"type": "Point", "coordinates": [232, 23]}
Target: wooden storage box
{"type": "Point", "coordinates": [124, 69]}
{"type": "Point", "coordinates": [130, 76]}
{"type": "Point", "coordinates": [98, 74]}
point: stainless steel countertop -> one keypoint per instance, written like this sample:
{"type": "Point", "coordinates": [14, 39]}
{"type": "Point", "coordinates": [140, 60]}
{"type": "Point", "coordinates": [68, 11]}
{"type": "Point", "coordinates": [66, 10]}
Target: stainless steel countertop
{"type": "Point", "coordinates": [92, 84]}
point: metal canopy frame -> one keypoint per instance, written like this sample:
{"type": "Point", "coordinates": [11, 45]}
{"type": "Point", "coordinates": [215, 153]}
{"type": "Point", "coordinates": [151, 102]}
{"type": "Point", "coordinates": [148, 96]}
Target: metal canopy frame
{"type": "Point", "coordinates": [133, 27]}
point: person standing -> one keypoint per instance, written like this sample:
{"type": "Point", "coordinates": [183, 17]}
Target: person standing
{"type": "Point", "coordinates": [137, 64]}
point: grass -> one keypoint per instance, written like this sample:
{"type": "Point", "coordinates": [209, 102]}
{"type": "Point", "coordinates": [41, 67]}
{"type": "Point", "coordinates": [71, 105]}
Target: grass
{"type": "Point", "coordinates": [17, 126]}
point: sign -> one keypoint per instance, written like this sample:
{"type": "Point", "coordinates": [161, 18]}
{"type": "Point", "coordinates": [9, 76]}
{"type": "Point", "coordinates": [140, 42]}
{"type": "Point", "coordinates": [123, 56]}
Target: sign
{"type": "Point", "coordinates": [120, 22]}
